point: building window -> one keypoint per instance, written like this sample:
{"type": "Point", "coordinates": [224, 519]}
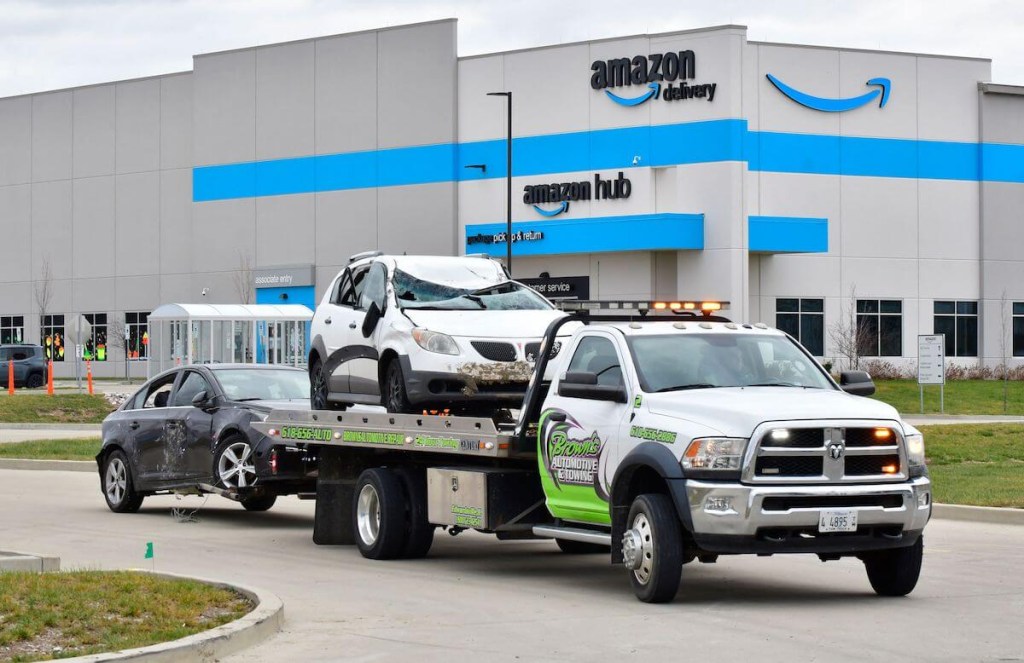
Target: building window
{"type": "Point", "coordinates": [12, 329]}
{"type": "Point", "coordinates": [51, 336]}
{"type": "Point", "coordinates": [95, 348]}
{"type": "Point", "coordinates": [1018, 329]}
{"type": "Point", "coordinates": [804, 320]}
{"type": "Point", "coordinates": [959, 322]}
{"type": "Point", "coordinates": [137, 326]}
{"type": "Point", "coordinates": [880, 327]}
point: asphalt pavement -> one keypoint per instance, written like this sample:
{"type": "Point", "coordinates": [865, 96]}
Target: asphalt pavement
{"type": "Point", "coordinates": [476, 596]}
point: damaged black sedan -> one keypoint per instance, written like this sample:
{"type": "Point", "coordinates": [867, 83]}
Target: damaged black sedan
{"type": "Point", "coordinates": [188, 429]}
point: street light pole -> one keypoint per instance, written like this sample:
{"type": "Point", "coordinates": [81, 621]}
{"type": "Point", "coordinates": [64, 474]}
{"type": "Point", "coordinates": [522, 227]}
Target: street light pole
{"type": "Point", "coordinates": [508, 180]}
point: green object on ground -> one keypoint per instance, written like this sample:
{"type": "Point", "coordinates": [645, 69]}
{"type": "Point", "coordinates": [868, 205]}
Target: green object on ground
{"type": "Point", "coordinates": [977, 465]}
{"type": "Point", "coordinates": [88, 612]}
{"type": "Point", "coordinates": [80, 449]}
{"type": "Point", "coordinates": [962, 396]}
{"type": "Point", "coordinates": [40, 408]}
{"type": "Point", "coordinates": [149, 550]}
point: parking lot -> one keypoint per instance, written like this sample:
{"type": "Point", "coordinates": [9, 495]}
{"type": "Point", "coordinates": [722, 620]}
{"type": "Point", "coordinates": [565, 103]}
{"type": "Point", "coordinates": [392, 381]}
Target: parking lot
{"type": "Point", "coordinates": [507, 600]}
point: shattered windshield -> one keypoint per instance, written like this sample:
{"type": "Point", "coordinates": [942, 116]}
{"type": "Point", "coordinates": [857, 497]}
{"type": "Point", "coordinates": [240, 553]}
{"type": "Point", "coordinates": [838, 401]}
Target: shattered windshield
{"type": "Point", "coordinates": [678, 362]}
{"type": "Point", "coordinates": [416, 293]}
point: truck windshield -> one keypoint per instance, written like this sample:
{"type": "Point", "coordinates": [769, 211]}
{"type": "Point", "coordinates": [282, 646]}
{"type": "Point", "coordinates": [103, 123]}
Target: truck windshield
{"type": "Point", "coordinates": [676, 362]}
{"type": "Point", "coordinates": [416, 293]}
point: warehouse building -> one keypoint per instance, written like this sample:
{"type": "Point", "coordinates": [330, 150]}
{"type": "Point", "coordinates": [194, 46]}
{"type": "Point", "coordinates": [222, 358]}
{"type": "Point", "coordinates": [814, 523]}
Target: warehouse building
{"type": "Point", "coordinates": [808, 186]}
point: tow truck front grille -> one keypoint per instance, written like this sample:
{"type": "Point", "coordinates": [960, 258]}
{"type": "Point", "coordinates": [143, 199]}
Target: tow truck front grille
{"type": "Point", "coordinates": [495, 350]}
{"type": "Point", "coordinates": [826, 454]}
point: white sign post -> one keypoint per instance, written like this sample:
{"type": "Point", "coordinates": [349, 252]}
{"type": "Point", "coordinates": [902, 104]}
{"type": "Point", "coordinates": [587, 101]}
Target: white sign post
{"type": "Point", "coordinates": [931, 366]}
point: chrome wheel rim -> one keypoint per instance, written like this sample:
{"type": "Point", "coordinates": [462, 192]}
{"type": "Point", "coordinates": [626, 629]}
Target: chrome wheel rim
{"type": "Point", "coordinates": [644, 561]}
{"type": "Point", "coordinates": [368, 514]}
{"type": "Point", "coordinates": [235, 466]}
{"type": "Point", "coordinates": [116, 481]}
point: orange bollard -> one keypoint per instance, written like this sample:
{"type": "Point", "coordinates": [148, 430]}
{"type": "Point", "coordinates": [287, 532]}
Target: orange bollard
{"type": "Point", "coordinates": [49, 377]}
{"type": "Point", "coordinates": [88, 375]}
{"type": "Point", "coordinates": [10, 377]}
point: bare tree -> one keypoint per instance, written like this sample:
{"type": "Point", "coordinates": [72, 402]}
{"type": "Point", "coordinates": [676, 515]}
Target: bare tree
{"type": "Point", "coordinates": [117, 341]}
{"type": "Point", "coordinates": [244, 279]}
{"type": "Point", "coordinates": [1004, 333]}
{"type": "Point", "coordinates": [44, 287]}
{"type": "Point", "coordinates": [847, 336]}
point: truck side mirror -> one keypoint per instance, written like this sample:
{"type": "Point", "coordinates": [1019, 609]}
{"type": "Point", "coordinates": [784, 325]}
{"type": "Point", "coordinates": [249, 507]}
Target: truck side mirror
{"type": "Point", "coordinates": [373, 315]}
{"type": "Point", "coordinates": [858, 383]}
{"type": "Point", "coordinates": [583, 384]}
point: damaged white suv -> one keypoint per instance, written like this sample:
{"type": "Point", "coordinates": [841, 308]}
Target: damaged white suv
{"type": "Point", "coordinates": [418, 333]}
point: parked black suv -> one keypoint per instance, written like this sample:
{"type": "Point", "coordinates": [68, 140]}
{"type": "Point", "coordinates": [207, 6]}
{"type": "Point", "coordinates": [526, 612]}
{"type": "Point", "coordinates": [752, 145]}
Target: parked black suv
{"type": "Point", "coordinates": [29, 365]}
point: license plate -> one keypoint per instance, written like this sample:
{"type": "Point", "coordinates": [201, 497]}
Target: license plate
{"type": "Point", "coordinates": [838, 520]}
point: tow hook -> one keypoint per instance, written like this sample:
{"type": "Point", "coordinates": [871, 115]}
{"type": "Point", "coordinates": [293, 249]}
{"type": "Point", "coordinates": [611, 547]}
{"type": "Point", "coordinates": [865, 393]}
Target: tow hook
{"type": "Point", "coordinates": [455, 530]}
{"type": "Point", "coordinates": [632, 549]}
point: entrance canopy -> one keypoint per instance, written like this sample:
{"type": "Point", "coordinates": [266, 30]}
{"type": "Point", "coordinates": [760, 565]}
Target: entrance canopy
{"type": "Point", "coordinates": [228, 333]}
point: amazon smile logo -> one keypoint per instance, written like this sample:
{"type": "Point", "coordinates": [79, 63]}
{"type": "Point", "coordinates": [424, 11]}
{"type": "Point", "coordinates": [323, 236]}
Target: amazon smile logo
{"type": "Point", "coordinates": [561, 194]}
{"type": "Point", "coordinates": [656, 72]}
{"type": "Point", "coordinates": [836, 105]}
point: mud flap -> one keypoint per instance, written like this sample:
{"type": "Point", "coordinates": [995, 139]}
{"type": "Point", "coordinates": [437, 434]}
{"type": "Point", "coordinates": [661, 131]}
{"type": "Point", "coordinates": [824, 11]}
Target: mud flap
{"type": "Point", "coordinates": [335, 489]}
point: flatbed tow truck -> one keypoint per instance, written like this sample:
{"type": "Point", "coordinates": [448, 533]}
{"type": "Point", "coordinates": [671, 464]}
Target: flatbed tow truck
{"type": "Point", "coordinates": [659, 441]}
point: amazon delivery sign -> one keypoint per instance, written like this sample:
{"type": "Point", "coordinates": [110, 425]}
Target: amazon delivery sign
{"type": "Point", "coordinates": [666, 77]}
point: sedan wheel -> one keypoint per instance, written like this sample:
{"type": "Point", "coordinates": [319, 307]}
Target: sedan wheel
{"type": "Point", "coordinates": [318, 389]}
{"type": "Point", "coordinates": [235, 465]}
{"type": "Point", "coordinates": [118, 489]}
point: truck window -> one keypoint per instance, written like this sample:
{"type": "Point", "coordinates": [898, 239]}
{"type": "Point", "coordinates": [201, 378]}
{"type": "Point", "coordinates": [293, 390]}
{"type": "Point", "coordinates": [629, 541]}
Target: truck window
{"type": "Point", "coordinates": [596, 354]}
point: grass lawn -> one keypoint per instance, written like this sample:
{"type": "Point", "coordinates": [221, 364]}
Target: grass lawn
{"type": "Point", "coordinates": [81, 449]}
{"type": "Point", "coordinates": [962, 396]}
{"type": "Point", "coordinates": [47, 615]}
{"type": "Point", "coordinates": [39, 408]}
{"type": "Point", "coordinates": [979, 465]}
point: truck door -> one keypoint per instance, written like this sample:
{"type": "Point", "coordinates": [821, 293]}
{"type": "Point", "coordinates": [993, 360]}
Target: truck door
{"type": "Point", "coordinates": [579, 434]}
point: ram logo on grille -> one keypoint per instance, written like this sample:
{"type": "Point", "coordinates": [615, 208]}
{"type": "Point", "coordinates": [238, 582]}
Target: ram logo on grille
{"type": "Point", "coordinates": [835, 450]}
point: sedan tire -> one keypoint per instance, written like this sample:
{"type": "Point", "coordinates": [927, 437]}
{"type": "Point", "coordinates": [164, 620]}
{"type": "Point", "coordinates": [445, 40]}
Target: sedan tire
{"type": "Point", "coordinates": [258, 503]}
{"type": "Point", "coordinates": [234, 464]}
{"type": "Point", "coordinates": [118, 487]}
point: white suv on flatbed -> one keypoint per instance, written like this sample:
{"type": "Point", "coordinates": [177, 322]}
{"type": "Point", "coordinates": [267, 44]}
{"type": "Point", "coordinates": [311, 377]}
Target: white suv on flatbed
{"type": "Point", "coordinates": [430, 332]}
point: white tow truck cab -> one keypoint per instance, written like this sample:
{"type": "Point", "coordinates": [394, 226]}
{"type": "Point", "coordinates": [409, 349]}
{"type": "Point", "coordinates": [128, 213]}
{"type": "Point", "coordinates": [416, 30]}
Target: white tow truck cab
{"type": "Point", "coordinates": [658, 440]}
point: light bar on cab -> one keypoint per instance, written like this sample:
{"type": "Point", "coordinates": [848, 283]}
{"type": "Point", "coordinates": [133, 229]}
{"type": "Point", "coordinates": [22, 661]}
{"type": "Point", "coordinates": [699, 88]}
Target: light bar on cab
{"type": "Point", "coordinates": [642, 305]}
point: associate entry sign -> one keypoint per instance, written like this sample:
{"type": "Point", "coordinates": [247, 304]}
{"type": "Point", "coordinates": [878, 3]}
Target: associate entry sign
{"type": "Point", "coordinates": [931, 359]}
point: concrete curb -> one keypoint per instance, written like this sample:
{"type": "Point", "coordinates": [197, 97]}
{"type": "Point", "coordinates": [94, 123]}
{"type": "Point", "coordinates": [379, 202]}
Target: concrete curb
{"type": "Point", "coordinates": [264, 621]}
{"type": "Point", "coordinates": [26, 561]}
{"type": "Point", "coordinates": [98, 428]}
{"type": "Point", "coordinates": [979, 514]}
{"type": "Point", "coordinates": [48, 465]}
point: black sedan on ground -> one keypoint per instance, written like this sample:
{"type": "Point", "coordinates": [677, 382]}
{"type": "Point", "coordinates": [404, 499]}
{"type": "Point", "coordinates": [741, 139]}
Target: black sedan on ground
{"type": "Point", "coordinates": [188, 428]}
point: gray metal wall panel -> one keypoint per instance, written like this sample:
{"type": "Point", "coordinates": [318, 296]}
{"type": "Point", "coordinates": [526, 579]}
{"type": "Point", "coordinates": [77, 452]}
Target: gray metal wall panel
{"type": "Point", "coordinates": [346, 224]}
{"type": "Point", "coordinates": [880, 217]}
{"type": "Point", "coordinates": [176, 121]}
{"type": "Point", "coordinates": [224, 124]}
{"type": "Point", "coordinates": [1003, 118]}
{"type": "Point", "coordinates": [96, 295]}
{"type": "Point", "coordinates": [1004, 231]}
{"type": "Point", "coordinates": [416, 85]}
{"type": "Point", "coordinates": [417, 219]}
{"type": "Point", "coordinates": [137, 136]}
{"type": "Point", "coordinates": [284, 100]}
{"type": "Point", "coordinates": [176, 221]}
{"type": "Point", "coordinates": [51, 228]}
{"type": "Point", "coordinates": [15, 141]}
{"type": "Point", "coordinates": [947, 96]}
{"type": "Point", "coordinates": [221, 229]}
{"type": "Point", "coordinates": [93, 137]}
{"type": "Point", "coordinates": [138, 224]}
{"type": "Point", "coordinates": [137, 293]}
{"type": "Point", "coordinates": [94, 234]}
{"type": "Point", "coordinates": [544, 101]}
{"type": "Point", "coordinates": [481, 117]}
{"type": "Point", "coordinates": [51, 136]}
{"type": "Point", "coordinates": [285, 230]}
{"type": "Point", "coordinates": [346, 93]}
{"type": "Point", "coordinates": [16, 216]}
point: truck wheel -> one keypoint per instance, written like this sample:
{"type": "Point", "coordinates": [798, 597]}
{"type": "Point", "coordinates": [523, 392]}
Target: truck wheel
{"type": "Point", "coordinates": [35, 381]}
{"type": "Point", "coordinates": [652, 548]}
{"type": "Point", "coordinates": [118, 488]}
{"type": "Point", "coordinates": [393, 394]}
{"type": "Point", "coordinates": [378, 514]}
{"type": "Point", "coordinates": [581, 547]}
{"type": "Point", "coordinates": [258, 503]}
{"type": "Point", "coordinates": [421, 532]}
{"type": "Point", "coordinates": [895, 572]}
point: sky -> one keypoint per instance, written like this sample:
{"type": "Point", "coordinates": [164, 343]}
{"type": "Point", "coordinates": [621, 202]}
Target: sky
{"type": "Point", "coordinates": [52, 44]}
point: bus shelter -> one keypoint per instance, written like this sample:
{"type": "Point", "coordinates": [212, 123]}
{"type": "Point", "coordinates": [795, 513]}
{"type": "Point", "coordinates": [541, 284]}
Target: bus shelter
{"type": "Point", "coordinates": [181, 334]}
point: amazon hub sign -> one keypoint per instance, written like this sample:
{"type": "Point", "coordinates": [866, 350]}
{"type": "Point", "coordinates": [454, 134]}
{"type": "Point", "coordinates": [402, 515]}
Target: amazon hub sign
{"type": "Point", "coordinates": [563, 193]}
{"type": "Point", "coordinates": [658, 72]}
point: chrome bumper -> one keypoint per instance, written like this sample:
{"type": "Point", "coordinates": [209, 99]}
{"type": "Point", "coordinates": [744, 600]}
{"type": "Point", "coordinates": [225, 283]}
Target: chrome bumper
{"type": "Point", "coordinates": [738, 510]}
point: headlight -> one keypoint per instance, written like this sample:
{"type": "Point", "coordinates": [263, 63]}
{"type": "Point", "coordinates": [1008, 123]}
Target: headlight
{"type": "Point", "coordinates": [915, 449]}
{"type": "Point", "coordinates": [714, 453]}
{"type": "Point", "coordinates": [435, 341]}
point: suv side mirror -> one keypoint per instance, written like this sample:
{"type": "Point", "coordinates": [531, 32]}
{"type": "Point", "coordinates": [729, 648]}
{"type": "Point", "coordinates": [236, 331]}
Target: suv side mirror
{"type": "Point", "coordinates": [373, 315]}
{"type": "Point", "coordinates": [199, 400]}
{"type": "Point", "coordinates": [858, 383]}
{"type": "Point", "coordinates": [582, 384]}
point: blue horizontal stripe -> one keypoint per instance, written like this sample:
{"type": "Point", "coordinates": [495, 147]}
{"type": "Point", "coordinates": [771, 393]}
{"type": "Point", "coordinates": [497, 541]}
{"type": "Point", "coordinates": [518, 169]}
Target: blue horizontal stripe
{"type": "Point", "coordinates": [610, 149]}
{"type": "Point", "coordinates": [787, 234]}
{"type": "Point", "coordinates": [640, 232]}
